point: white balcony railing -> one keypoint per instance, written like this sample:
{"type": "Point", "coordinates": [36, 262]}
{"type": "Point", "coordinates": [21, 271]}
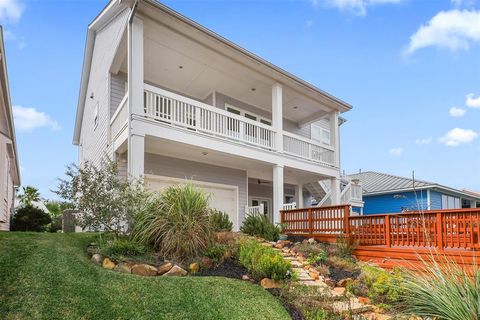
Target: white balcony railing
{"type": "Point", "coordinates": [306, 148]}
{"type": "Point", "coordinates": [119, 118]}
{"type": "Point", "coordinates": [289, 206]}
{"type": "Point", "coordinates": [177, 110]}
{"type": "Point", "coordinates": [253, 210]}
{"type": "Point", "coordinates": [182, 111]}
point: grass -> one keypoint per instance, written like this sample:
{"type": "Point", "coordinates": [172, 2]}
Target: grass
{"type": "Point", "coordinates": [49, 276]}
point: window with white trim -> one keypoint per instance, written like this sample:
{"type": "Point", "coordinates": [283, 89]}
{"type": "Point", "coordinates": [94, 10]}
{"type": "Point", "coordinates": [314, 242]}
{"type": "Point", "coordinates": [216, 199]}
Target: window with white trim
{"type": "Point", "coordinates": [319, 134]}
{"type": "Point", "coordinates": [449, 202]}
{"type": "Point", "coordinates": [247, 114]}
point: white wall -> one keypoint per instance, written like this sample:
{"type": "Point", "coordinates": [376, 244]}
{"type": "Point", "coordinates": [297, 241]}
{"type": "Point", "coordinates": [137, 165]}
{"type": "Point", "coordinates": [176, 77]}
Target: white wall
{"type": "Point", "coordinates": [94, 140]}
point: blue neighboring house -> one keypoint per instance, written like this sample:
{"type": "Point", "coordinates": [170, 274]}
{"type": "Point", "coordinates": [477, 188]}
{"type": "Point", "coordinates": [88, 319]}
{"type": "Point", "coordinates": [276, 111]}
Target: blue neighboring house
{"type": "Point", "coordinates": [386, 193]}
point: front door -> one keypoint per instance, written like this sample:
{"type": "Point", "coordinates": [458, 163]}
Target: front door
{"type": "Point", "coordinates": [266, 205]}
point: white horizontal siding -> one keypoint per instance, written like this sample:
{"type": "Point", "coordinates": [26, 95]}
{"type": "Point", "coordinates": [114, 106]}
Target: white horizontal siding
{"type": "Point", "coordinates": [94, 140]}
{"type": "Point", "coordinates": [117, 91]}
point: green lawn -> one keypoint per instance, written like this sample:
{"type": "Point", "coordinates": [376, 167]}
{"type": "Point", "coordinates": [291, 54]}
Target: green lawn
{"type": "Point", "coordinates": [49, 276]}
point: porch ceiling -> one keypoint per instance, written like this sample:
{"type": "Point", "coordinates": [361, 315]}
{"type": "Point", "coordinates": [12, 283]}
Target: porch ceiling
{"type": "Point", "coordinates": [179, 62]}
{"type": "Point", "coordinates": [255, 169]}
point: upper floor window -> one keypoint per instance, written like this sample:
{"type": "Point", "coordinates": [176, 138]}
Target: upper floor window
{"type": "Point", "coordinates": [247, 114]}
{"type": "Point", "coordinates": [320, 134]}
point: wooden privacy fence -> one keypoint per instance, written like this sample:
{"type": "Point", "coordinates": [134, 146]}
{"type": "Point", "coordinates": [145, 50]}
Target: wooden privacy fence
{"type": "Point", "coordinates": [441, 229]}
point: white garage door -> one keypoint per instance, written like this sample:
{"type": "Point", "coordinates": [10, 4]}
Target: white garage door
{"type": "Point", "coordinates": [222, 197]}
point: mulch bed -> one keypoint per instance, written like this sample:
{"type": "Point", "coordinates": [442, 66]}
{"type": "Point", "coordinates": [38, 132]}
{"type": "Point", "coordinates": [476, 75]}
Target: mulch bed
{"type": "Point", "coordinates": [228, 269]}
{"type": "Point", "coordinates": [338, 274]}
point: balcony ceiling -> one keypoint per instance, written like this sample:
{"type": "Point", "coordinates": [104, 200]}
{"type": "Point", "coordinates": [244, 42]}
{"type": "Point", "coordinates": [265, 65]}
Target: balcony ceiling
{"type": "Point", "coordinates": [176, 60]}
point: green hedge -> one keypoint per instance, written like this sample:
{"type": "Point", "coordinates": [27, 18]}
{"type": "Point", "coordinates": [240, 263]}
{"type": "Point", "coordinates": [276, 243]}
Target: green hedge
{"type": "Point", "coordinates": [262, 261]}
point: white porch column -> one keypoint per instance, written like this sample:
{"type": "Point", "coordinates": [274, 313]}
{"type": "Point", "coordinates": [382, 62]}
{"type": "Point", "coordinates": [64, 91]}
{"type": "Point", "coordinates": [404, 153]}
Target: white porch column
{"type": "Point", "coordinates": [278, 198]}
{"type": "Point", "coordinates": [277, 115]}
{"type": "Point", "coordinates": [135, 66]}
{"type": "Point", "coordinates": [335, 137]}
{"type": "Point", "coordinates": [136, 156]}
{"type": "Point", "coordinates": [136, 141]}
{"type": "Point", "coordinates": [335, 195]}
{"type": "Point", "coordinates": [299, 195]}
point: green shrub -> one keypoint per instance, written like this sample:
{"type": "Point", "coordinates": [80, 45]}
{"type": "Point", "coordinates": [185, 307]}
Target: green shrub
{"type": "Point", "coordinates": [344, 246]}
{"type": "Point", "coordinates": [30, 218]}
{"type": "Point", "coordinates": [383, 286]}
{"type": "Point", "coordinates": [176, 224]}
{"type": "Point", "coordinates": [216, 252]}
{"type": "Point", "coordinates": [122, 247]}
{"type": "Point", "coordinates": [262, 261]}
{"type": "Point", "coordinates": [442, 290]}
{"type": "Point", "coordinates": [320, 257]}
{"type": "Point", "coordinates": [219, 221]}
{"type": "Point", "coordinates": [259, 225]}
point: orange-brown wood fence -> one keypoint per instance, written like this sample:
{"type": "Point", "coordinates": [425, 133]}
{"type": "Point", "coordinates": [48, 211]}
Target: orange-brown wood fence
{"type": "Point", "coordinates": [440, 229]}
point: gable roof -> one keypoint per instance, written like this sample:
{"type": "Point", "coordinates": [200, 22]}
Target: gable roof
{"type": "Point", "coordinates": [382, 183]}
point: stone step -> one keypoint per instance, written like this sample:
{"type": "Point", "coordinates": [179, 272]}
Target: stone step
{"type": "Point", "coordinates": [352, 306]}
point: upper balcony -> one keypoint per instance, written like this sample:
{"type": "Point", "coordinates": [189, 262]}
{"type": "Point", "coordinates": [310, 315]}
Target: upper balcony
{"type": "Point", "coordinates": [172, 109]}
{"type": "Point", "coordinates": [183, 76]}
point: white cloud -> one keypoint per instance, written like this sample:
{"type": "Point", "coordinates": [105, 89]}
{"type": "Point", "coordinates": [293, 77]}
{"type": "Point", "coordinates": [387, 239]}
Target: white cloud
{"type": "Point", "coordinates": [454, 30]}
{"type": "Point", "coordinates": [423, 141]}
{"type": "Point", "coordinates": [396, 151]}
{"type": "Point", "coordinates": [359, 7]}
{"type": "Point", "coordinates": [471, 101]}
{"type": "Point", "coordinates": [457, 112]}
{"type": "Point", "coordinates": [10, 11]}
{"type": "Point", "coordinates": [28, 119]}
{"type": "Point", "coordinates": [457, 136]}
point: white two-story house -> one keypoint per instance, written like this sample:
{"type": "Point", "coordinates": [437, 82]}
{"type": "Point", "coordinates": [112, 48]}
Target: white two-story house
{"type": "Point", "coordinates": [171, 101]}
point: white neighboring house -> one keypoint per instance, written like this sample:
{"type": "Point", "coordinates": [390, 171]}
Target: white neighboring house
{"type": "Point", "coordinates": [9, 167]}
{"type": "Point", "coordinates": [170, 101]}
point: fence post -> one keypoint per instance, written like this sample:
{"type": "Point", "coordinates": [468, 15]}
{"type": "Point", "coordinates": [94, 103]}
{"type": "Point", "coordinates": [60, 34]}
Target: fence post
{"type": "Point", "coordinates": [310, 222]}
{"type": "Point", "coordinates": [346, 222]}
{"type": "Point", "coordinates": [439, 231]}
{"type": "Point", "coordinates": [388, 242]}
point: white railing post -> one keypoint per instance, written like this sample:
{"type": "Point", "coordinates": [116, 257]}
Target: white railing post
{"type": "Point", "coordinates": [277, 115]}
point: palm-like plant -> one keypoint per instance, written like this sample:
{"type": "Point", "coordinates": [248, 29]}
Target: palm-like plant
{"type": "Point", "coordinates": [177, 223]}
{"type": "Point", "coordinates": [30, 194]}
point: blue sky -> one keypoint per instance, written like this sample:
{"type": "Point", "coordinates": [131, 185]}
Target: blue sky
{"type": "Point", "coordinates": [410, 68]}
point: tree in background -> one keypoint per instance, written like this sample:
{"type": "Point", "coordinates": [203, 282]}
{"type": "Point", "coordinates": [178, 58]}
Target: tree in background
{"type": "Point", "coordinates": [29, 218]}
{"type": "Point", "coordinates": [56, 209]}
{"type": "Point", "coordinates": [105, 200]}
{"type": "Point", "coordinates": [30, 195]}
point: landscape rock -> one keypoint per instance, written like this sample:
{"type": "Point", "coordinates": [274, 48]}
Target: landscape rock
{"type": "Point", "coordinates": [338, 291]}
{"type": "Point", "coordinates": [267, 244]}
{"type": "Point", "coordinates": [97, 259]}
{"type": "Point", "coordinates": [176, 271]}
{"type": "Point", "coordinates": [314, 275]}
{"type": "Point", "coordinates": [245, 277]}
{"type": "Point", "coordinates": [311, 241]}
{"type": "Point", "coordinates": [194, 267]}
{"type": "Point", "coordinates": [344, 282]}
{"type": "Point", "coordinates": [164, 268]}
{"type": "Point", "coordinates": [364, 300]}
{"type": "Point", "coordinates": [330, 282]}
{"type": "Point", "coordinates": [123, 267]}
{"type": "Point", "coordinates": [267, 283]}
{"type": "Point", "coordinates": [144, 270]}
{"type": "Point", "coordinates": [92, 249]}
{"type": "Point", "coordinates": [279, 246]}
{"type": "Point", "coordinates": [108, 264]}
